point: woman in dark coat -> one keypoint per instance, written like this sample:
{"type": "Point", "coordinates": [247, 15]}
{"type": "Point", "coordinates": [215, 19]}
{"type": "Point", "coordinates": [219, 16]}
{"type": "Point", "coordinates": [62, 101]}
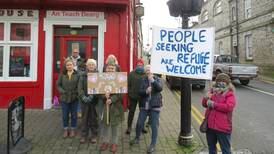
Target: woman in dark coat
{"type": "Point", "coordinates": [88, 104]}
{"type": "Point", "coordinates": [67, 86]}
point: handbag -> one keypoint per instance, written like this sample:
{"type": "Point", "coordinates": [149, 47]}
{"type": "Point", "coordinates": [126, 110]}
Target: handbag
{"type": "Point", "coordinates": [204, 126]}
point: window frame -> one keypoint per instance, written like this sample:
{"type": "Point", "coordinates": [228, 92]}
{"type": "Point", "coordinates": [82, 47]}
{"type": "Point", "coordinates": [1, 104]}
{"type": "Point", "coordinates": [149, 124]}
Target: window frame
{"type": "Point", "coordinates": [217, 6]}
{"type": "Point", "coordinates": [221, 48]}
{"type": "Point", "coordinates": [247, 9]}
{"type": "Point", "coordinates": [248, 46]}
{"type": "Point", "coordinates": [233, 13]}
{"type": "Point", "coordinates": [7, 44]}
{"type": "Point", "coordinates": [203, 19]}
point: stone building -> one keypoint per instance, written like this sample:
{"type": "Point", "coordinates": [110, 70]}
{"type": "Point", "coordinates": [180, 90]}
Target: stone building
{"type": "Point", "coordinates": [244, 28]}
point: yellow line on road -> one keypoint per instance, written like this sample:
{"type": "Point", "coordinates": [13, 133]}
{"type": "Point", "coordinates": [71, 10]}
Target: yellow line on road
{"type": "Point", "coordinates": [197, 111]}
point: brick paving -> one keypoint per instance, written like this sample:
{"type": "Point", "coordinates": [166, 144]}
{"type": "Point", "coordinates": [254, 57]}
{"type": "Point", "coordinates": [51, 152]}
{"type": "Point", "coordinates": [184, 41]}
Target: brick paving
{"type": "Point", "coordinates": [44, 129]}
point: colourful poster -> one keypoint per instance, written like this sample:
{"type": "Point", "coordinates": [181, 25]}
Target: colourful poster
{"type": "Point", "coordinates": [100, 83]}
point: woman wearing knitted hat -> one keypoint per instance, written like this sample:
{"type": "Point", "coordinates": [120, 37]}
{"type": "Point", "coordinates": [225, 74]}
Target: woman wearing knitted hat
{"type": "Point", "coordinates": [219, 103]}
{"type": "Point", "coordinates": [134, 82]}
{"type": "Point", "coordinates": [113, 116]}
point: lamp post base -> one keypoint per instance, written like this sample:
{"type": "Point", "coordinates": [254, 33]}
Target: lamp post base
{"type": "Point", "coordinates": [185, 140]}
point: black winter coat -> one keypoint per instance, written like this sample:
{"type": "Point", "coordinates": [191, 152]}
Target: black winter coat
{"type": "Point", "coordinates": [155, 100]}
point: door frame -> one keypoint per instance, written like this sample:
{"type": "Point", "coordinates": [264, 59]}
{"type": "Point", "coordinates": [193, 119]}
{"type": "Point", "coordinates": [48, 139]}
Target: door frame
{"type": "Point", "coordinates": [49, 24]}
{"type": "Point", "coordinates": [63, 54]}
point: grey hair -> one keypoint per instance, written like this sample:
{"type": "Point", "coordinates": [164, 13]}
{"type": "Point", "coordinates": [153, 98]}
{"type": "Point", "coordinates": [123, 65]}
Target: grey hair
{"type": "Point", "coordinates": [91, 61]}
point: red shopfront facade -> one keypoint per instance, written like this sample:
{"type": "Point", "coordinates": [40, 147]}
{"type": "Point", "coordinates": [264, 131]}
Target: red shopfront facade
{"type": "Point", "coordinates": [36, 36]}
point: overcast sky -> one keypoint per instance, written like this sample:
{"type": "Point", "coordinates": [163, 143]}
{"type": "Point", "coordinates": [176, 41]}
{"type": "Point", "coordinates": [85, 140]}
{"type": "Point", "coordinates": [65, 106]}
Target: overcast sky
{"type": "Point", "coordinates": [157, 14]}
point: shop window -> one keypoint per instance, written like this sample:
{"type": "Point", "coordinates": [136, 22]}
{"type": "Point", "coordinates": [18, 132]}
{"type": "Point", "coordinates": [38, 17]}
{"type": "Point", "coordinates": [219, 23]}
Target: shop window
{"type": "Point", "coordinates": [1, 31]}
{"type": "Point", "coordinates": [1, 61]}
{"type": "Point", "coordinates": [20, 32]}
{"type": "Point", "coordinates": [19, 62]}
{"type": "Point", "coordinates": [18, 49]}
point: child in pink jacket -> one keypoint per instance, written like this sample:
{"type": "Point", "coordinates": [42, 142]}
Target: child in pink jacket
{"type": "Point", "coordinates": [219, 103]}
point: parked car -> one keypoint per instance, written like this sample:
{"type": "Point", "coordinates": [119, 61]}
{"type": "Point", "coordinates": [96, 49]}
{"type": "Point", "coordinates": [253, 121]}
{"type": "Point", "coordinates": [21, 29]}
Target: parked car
{"type": "Point", "coordinates": [175, 82]}
{"type": "Point", "coordinates": [230, 65]}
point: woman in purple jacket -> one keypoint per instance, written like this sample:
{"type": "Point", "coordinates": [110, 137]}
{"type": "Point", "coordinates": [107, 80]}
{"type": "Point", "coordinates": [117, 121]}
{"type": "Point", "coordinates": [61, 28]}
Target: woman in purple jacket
{"type": "Point", "coordinates": [219, 103]}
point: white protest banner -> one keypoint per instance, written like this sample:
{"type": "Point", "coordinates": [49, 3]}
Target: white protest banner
{"type": "Point", "coordinates": [183, 52]}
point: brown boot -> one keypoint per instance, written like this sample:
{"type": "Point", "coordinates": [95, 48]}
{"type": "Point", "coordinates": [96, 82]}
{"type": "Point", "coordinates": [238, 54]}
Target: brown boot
{"type": "Point", "coordinates": [113, 148]}
{"type": "Point", "coordinates": [104, 147]}
{"type": "Point", "coordinates": [82, 140]}
{"type": "Point", "coordinates": [72, 133]}
{"type": "Point", "coordinates": [65, 135]}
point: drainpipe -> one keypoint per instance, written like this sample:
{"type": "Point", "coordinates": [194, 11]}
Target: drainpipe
{"type": "Point", "coordinates": [237, 31]}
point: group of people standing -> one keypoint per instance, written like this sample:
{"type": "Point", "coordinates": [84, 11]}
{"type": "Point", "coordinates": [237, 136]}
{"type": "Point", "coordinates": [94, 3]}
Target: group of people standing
{"type": "Point", "coordinates": [144, 89]}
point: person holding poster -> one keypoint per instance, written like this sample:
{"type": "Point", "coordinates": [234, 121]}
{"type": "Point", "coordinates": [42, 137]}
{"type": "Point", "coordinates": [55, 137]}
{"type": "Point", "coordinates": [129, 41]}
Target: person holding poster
{"type": "Point", "coordinates": [219, 103]}
{"type": "Point", "coordinates": [150, 105]}
{"type": "Point", "coordinates": [67, 84]}
{"type": "Point", "coordinates": [88, 103]}
{"type": "Point", "coordinates": [113, 115]}
{"type": "Point", "coordinates": [134, 81]}
{"type": "Point", "coordinates": [111, 58]}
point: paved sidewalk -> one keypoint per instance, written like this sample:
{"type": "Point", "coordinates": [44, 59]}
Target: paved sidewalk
{"type": "Point", "coordinates": [44, 130]}
{"type": "Point", "coordinates": [266, 79]}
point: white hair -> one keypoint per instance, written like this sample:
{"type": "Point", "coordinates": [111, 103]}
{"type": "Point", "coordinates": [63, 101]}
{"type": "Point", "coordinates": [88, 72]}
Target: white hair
{"type": "Point", "coordinates": [147, 67]}
{"type": "Point", "coordinates": [91, 61]}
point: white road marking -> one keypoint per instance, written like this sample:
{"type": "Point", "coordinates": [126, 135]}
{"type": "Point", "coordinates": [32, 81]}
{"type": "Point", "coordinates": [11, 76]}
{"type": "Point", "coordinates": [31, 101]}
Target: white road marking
{"type": "Point", "coordinates": [261, 91]}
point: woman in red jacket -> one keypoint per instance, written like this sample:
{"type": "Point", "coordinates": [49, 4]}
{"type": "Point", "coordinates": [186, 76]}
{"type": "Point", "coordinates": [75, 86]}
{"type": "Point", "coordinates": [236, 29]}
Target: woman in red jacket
{"type": "Point", "coordinates": [219, 103]}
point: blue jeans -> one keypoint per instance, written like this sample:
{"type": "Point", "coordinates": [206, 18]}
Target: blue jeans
{"type": "Point", "coordinates": [154, 117]}
{"type": "Point", "coordinates": [69, 109]}
{"type": "Point", "coordinates": [213, 136]}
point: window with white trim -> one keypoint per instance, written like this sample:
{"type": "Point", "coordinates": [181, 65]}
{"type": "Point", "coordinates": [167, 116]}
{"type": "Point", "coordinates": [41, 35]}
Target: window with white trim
{"type": "Point", "coordinates": [221, 50]}
{"type": "Point", "coordinates": [18, 50]}
{"type": "Point", "coordinates": [248, 47]}
{"type": "Point", "coordinates": [218, 7]}
{"type": "Point", "coordinates": [233, 14]}
{"type": "Point", "coordinates": [205, 16]}
{"type": "Point", "coordinates": [247, 7]}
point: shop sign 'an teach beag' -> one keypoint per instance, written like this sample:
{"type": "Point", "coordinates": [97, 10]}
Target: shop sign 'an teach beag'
{"type": "Point", "coordinates": [183, 52]}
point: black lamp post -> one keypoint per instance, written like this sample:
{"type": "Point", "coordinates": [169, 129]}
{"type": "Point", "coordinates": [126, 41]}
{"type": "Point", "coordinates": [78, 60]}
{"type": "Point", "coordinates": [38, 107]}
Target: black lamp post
{"type": "Point", "coordinates": [185, 9]}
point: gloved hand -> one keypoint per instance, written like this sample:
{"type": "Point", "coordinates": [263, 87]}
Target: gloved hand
{"type": "Point", "coordinates": [85, 99]}
{"type": "Point", "coordinates": [210, 104]}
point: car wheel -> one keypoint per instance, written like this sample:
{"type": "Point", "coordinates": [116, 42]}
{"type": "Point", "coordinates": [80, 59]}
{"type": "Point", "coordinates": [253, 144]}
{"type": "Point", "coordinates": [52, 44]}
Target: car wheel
{"type": "Point", "coordinates": [244, 82]}
{"type": "Point", "coordinates": [202, 87]}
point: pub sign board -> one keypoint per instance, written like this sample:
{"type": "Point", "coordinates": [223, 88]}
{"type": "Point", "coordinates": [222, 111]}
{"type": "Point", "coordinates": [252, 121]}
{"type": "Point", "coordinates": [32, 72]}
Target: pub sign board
{"type": "Point", "coordinates": [16, 120]}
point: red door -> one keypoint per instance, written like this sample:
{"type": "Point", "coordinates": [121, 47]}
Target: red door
{"type": "Point", "coordinates": [63, 46]}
